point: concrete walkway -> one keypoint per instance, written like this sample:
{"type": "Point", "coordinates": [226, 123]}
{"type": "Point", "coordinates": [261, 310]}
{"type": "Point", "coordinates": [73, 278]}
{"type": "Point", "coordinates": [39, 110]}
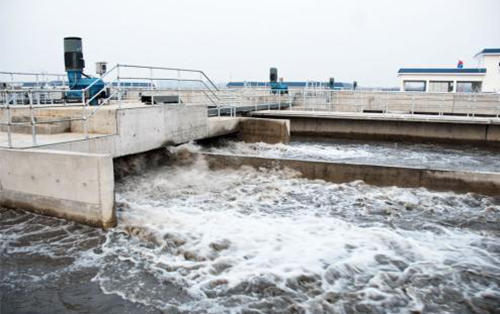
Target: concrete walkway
{"type": "Point", "coordinates": [20, 140]}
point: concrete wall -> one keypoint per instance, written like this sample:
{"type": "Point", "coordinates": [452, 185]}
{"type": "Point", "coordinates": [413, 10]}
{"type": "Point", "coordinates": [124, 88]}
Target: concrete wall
{"type": "Point", "coordinates": [441, 180]}
{"type": "Point", "coordinates": [264, 130]}
{"type": "Point", "coordinates": [386, 129]}
{"type": "Point", "coordinates": [400, 130]}
{"type": "Point", "coordinates": [145, 128]}
{"type": "Point", "coordinates": [74, 186]}
{"type": "Point", "coordinates": [220, 126]}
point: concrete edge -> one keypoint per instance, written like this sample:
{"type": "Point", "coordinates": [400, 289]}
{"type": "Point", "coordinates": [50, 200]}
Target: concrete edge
{"type": "Point", "coordinates": [70, 185]}
{"type": "Point", "coordinates": [484, 183]}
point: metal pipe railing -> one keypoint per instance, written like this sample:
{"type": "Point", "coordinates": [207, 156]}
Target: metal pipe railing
{"type": "Point", "coordinates": [171, 69]}
{"type": "Point", "coordinates": [228, 101]}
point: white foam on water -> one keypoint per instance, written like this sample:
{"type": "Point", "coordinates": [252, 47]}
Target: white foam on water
{"type": "Point", "coordinates": [315, 151]}
{"type": "Point", "coordinates": [402, 154]}
{"type": "Point", "coordinates": [194, 240]}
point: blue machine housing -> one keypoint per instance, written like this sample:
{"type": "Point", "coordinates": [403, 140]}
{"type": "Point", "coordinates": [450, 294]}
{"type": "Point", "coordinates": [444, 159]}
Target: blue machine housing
{"type": "Point", "coordinates": [78, 81]}
{"type": "Point", "coordinates": [278, 87]}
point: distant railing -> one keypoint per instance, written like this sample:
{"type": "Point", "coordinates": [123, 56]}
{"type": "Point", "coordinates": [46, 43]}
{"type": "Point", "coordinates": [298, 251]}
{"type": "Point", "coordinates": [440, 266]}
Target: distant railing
{"type": "Point", "coordinates": [465, 104]}
{"type": "Point", "coordinates": [12, 80]}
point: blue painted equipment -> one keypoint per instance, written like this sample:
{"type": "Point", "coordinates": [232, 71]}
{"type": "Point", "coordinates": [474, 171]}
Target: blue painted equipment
{"type": "Point", "coordinates": [77, 80]}
{"type": "Point", "coordinates": [277, 87]}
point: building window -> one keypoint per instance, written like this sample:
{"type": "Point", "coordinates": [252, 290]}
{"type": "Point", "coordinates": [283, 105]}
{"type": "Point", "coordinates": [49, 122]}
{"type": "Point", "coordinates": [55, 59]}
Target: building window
{"type": "Point", "coordinates": [415, 86]}
{"type": "Point", "coordinates": [440, 86]}
{"type": "Point", "coordinates": [469, 87]}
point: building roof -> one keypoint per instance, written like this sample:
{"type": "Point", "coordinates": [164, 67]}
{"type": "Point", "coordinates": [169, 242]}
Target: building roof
{"type": "Point", "coordinates": [442, 71]}
{"type": "Point", "coordinates": [486, 51]}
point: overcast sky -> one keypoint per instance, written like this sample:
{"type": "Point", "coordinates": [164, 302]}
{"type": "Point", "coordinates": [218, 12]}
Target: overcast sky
{"type": "Point", "coordinates": [367, 40]}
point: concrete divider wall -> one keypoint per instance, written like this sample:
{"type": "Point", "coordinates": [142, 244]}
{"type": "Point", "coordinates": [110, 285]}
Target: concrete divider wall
{"type": "Point", "coordinates": [487, 134]}
{"type": "Point", "coordinates": [264, 130]}
{"type": "Point", "coordinates": [74, 186]}
{"type": "Point", "coordinates": [441, 180]}
{"type": "Point", "coordinates": [146, 128]}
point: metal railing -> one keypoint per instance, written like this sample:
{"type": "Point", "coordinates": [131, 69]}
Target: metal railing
{"type": "Point", "coordinates": [461, 104]}
{"type": "Point", "coordinates": [15, 96]}
{"type": "Point", "coordinates": [16, 101]}
{"type": "Point", "coordinates": [13, 80]}
{"type": "Point", "coordinates": [250, 99]}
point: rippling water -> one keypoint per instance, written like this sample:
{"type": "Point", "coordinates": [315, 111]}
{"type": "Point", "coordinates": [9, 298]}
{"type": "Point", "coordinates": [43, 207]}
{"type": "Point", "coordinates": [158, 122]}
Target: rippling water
{"type": "Point", "coordinates": [191, 240]}
{"type": "Point", "coordinates": [375, 152]}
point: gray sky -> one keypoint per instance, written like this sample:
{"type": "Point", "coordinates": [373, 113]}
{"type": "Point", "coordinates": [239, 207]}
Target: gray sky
{"type": "Point", "coordinates": [367, 41]}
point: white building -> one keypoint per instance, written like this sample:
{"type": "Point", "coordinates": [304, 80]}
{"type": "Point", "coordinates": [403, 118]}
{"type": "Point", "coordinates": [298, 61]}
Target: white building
{"type": "Point", "coordinates": [484, 78]}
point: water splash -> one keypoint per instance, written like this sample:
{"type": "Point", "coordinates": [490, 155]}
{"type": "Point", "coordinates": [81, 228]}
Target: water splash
{"type": "Point", "coordinates": [266, 241]}
{"type": "Point", "coordinates": [192, 240]}
{"type": "Point", "coordinates": [384, 153]}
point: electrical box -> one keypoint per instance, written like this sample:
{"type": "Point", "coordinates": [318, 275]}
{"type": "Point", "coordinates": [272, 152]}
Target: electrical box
{"type": "Point", "coordinates": [101, 67]}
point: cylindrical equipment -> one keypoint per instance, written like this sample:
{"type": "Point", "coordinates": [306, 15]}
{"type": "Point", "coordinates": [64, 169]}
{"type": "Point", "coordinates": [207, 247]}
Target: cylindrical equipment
{"type": "Point", "coordinates": [73, 55]}
{"type": "Point", "coordinates": [332, 83]}
{"type": "Point", "coordinates": [273, 77]}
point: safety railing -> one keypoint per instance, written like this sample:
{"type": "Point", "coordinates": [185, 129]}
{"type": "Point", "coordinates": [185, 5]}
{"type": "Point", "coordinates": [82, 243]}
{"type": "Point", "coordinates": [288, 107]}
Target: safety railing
{"type": "Point", "coordinates": [17, 95]}
{"type": "Point", "coordinates": [461, 104]}
{"type": "Point", "coordinates": [208, 88]}
{"type": "Point", "coordinates": [234, 101]}
{"type": "Point", "coordinates": [32, 80]}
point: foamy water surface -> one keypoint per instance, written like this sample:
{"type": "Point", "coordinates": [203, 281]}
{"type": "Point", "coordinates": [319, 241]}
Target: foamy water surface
{"type": "Point", "coordinates": [192, 240]}
{"type": "Point", "coordinates": [374, 152]}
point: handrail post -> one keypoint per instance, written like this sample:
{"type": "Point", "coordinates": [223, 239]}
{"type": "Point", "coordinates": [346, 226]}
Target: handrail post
{"type": "Point", "coordinates": [119, 86]}
{"type": "Point", "coordinates": [84, 111]}
{"type": "Point", "coordinates": [9, 126]}
{"type": "Point", "coordinates": [33, 122]}
{"type": "Point", "coordinates": [179, 84]}
{"type": "Point", "coordinates": [498, 106]}
{"type": "Point", "coordinates": [474, 107]}
{"type": "Point", "coordinates": [413, 104]}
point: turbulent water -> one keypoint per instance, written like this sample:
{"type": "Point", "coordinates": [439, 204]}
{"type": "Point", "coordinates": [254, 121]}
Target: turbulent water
{"type": "Point", "coordinates": [192, 240]}
{"type": "Point", "coordinates": [384, 153]}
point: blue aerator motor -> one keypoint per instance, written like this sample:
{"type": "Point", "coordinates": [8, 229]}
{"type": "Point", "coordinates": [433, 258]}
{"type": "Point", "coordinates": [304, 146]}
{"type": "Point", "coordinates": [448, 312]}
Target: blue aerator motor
{"type": "Point", "coordinates": [74, 63]}
{"type": "Point", "coordinates": [277, 87]}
